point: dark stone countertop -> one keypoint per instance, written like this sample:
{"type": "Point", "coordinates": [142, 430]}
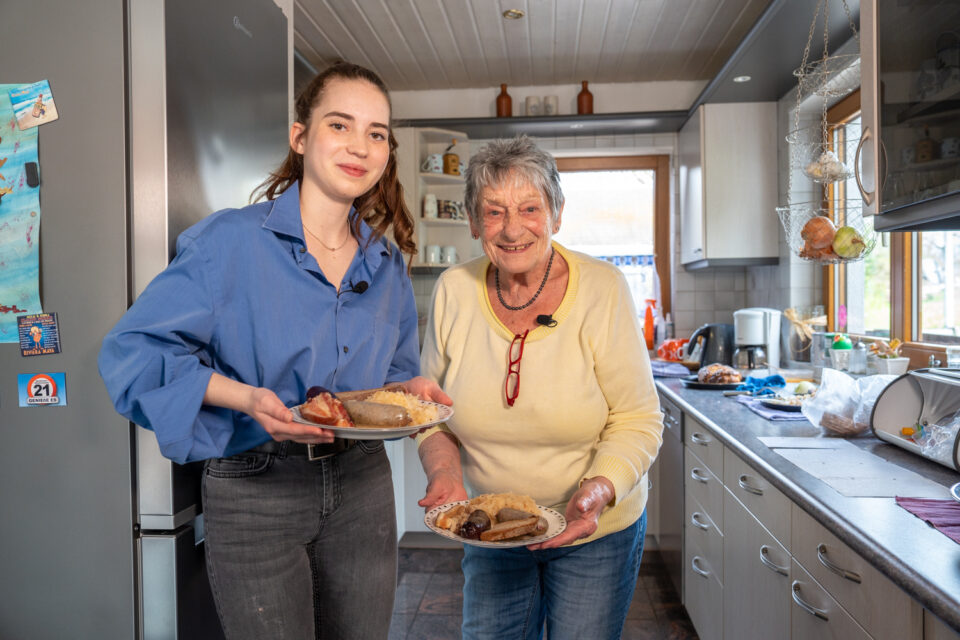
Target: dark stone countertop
{"type": "Point", "coordinates": [918, 558]}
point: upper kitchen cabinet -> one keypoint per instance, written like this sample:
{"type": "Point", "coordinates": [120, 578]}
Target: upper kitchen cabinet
{"type": "Point", "coordinates": [728, 186]}
{"type": "Point", "coordinates": [910, 101]}
{"type": "Point", "coordinates": [442, 231]}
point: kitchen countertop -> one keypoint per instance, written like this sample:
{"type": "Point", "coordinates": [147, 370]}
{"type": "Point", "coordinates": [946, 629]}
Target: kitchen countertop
{"type": "Point", "coordinates": [919, 559]}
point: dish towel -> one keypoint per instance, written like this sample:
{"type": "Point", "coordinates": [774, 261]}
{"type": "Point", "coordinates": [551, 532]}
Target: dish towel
{"type": "Point", "coordinates": [664, 369]}
{"type": "Point", "coordinates": [944, 515]}
{"type": "Point", "coordinates": [770, 414]}
{"type": "Point", "coordinates": [761, 386]}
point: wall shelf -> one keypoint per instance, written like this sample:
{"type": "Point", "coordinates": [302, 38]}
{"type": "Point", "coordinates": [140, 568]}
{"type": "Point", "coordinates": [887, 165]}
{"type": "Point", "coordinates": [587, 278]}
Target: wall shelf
{"type": "Point", "coordinates": [601, 124]}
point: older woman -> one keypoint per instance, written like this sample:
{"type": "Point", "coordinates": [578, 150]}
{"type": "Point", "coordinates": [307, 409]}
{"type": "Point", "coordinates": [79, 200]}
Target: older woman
{"type": "Point", "coordinates": [541, 348]}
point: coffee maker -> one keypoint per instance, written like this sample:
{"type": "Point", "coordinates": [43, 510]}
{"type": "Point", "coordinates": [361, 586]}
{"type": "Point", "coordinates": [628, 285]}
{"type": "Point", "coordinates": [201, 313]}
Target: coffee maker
{"type": "Point", "coordinates": [757, 339]}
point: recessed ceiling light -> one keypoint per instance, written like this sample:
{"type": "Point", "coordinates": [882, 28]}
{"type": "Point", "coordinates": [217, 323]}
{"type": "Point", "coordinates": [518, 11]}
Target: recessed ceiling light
{"type": "Point", "coordinates": [513, 14]}
{"type": "Point", "coordinates": [742, 79]}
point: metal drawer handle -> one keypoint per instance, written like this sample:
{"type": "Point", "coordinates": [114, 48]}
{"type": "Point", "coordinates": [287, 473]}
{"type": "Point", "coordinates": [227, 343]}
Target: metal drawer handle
{"type": "Point", "coordinates": [698, 438]}
{"type": "Point", "coordinates": [695, 521]}
{"type": "Point", "coordinates": [843, 573]}
{"type": "Point", "coordinates": [764, 553]}
{"type": "Point", "coordinates": [695, 474]}
{"type": "Point", "coordinates": [649, 484]}
{"type": "Point", "coordinates": [820, 613]}
{"type": "Point", "coordinates": [867, 197]}
{"type": "Point", "coordinates": [742, 481]}
{"type": "Point", "coordinates": [693, 565]}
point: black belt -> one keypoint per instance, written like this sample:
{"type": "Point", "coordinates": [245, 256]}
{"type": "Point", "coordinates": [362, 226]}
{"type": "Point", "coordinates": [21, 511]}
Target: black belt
{"type": "Point", "coordinates": [311, 451]}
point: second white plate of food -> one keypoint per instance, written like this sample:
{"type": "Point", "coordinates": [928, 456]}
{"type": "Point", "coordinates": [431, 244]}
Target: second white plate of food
{"type": "Point", "coordinates": [362, 432]}
{"type": "Point", "coordinates": [556, 523]}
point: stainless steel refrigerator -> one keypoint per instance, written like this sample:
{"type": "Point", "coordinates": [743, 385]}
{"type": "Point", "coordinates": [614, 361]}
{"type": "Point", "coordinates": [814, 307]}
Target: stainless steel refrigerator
{"type": "Point", "coordinates": [168, 110]}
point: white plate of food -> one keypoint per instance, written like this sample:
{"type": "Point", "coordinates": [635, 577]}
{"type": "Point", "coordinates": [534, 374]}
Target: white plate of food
{"type": "Point", "coordinates": [783, 403]}
{"type": "Point", "coordinates": [539, 525]}
{"type": "Point", "coordinates": [373, 414]}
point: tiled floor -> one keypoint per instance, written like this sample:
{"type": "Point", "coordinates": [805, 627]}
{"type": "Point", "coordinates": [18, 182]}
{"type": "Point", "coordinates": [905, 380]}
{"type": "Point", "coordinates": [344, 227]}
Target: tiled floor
{"type": "Point", "coordinates": [429, 599]}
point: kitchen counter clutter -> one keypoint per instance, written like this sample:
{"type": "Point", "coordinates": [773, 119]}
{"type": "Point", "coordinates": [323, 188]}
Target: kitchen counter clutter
{"type": "Point", "coordinates": [790, 533]}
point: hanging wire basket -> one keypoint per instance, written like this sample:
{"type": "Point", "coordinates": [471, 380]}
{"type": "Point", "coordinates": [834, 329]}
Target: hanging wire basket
{"type": "Point", "coordinates": [827, 242]}
{"type": "Point", "coordinates": [820, 157]}
{"type": "Point", "coordinates": [831, 76]}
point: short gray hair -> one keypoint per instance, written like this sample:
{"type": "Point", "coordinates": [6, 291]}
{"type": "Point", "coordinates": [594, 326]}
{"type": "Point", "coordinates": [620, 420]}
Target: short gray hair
{"type": "Point", "coordinates": [519, 156]}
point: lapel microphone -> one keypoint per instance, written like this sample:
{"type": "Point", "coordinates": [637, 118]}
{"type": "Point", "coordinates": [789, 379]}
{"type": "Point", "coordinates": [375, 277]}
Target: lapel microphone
{"type": "Point", "coordinates": [360, 287]}
{"type": "Point", "coordinates": [546, 320]}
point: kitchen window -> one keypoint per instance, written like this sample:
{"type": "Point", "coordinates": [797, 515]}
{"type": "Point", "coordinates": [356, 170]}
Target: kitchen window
{"type": "Point", "coordinates": [907, 287]}
{"type": "Point", "coordinates": [617, 209]}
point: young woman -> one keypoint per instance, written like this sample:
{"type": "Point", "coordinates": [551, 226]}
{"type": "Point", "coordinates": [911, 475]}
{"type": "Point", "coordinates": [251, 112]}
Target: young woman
{"type": "Point", "coordinates": [260, 304]}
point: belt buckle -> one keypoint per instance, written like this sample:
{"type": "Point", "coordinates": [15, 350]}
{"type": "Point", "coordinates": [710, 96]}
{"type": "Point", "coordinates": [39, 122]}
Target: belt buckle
{"type": "Point", "coordinates": [313, 457]}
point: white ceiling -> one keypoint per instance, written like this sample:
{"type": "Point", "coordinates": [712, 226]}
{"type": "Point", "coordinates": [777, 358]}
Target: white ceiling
{"type": "Point", "coordinates": [440, 44]}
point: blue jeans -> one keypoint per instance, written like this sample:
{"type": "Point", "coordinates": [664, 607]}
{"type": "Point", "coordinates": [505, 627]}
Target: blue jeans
{"type": "Point", "coordinates": [581, 591]}
{"type": "Point", "coordinates": [298, 549]}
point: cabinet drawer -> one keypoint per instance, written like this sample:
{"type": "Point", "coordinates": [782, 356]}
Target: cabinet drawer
{"type": "Point", "coordinates": [870, 597]}
{"type": "Point", "coordinates": [703, 443]}
{"type": "Point", "coordinates": [702, 594]}
{"type": "Point", "coordinates": [704, 487]}
{"type": "Point", "coordinates": [763, 500]}
{"type": "Point", "coordinates": [817, 616]}
{"type": "Point", "coordinates": [756, 578]}
{"type": "Point", "coordinates": [936, 629]}
{"type": "Point", "coordinates": [701, 531]}
{"type": "Point", "coordinates": [672, 418]}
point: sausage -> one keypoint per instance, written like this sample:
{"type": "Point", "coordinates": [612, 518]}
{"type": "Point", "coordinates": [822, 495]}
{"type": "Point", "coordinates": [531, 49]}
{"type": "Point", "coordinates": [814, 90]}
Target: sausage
{"type": "Point", "coordinates": [506, 514]}
{"type": "Point", "coordinates": [374, 414]}
{"type": "Point", "coordinates": [476, 524]}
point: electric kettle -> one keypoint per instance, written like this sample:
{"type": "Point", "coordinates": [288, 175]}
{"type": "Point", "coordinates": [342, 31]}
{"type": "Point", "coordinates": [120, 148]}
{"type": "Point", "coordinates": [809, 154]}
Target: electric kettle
{"type": "Point", "coordinates": [717, 343]}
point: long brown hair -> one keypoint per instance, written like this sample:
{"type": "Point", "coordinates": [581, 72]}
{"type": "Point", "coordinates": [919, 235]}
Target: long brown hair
{"type": "Point", "coordinates": [382, 205]}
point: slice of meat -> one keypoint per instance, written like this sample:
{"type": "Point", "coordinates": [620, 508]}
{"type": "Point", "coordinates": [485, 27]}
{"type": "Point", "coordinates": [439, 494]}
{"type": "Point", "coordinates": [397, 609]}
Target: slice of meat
{"type": "Point", "coordinates": [324, 408]}
{"type": "Point", "coordinates": [377, 415]}
{"type": "Point", "coordinates": [510, 529]}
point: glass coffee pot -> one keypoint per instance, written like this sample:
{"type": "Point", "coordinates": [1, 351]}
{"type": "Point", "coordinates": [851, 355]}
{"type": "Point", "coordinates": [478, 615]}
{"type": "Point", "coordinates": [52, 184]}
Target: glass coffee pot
{"type": "Point", "coordinates": [751, 360]}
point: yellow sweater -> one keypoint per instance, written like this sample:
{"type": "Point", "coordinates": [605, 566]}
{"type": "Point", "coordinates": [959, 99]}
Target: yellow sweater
{"type": "Point", "coordinates": [587, 404]}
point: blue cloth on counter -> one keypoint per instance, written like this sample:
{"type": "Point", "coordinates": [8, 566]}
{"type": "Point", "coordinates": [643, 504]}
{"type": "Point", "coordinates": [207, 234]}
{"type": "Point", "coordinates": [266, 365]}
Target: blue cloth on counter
{"type": "Point", "coordinates": [775, 415]}
{"type": "Point", "coordinates": [664, 369]}
{"type": "Point", "coordinates": [762, 386]}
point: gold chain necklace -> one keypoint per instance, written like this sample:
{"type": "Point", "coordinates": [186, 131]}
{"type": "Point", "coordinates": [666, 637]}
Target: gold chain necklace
{"type": "Point", "coordinates": [324, 244]}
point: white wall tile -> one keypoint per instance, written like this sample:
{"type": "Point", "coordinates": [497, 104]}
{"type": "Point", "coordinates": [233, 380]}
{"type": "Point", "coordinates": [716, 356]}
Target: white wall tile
{"type": "Point", "coordinates": [704, 301]}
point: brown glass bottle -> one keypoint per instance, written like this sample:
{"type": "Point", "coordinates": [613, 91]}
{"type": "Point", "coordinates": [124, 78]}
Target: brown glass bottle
{"type": "Point", "coordinates": [504, 103]}
{"type": "Point", "coordinates": [584, 100]}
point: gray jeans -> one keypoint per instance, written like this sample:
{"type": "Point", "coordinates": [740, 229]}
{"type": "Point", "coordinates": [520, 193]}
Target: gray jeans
{"type": "Point", "coordinates": [298, 550]}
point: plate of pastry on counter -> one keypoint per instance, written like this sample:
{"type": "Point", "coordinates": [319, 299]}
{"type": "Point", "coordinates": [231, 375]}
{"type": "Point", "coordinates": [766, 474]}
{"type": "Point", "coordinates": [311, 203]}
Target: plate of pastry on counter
{"type": "Point", "coordinates": [496, 521]}
{"type": "Point", "coordinates": [716, 376]}
{"type": "Point", "coordinates": [370, 414]}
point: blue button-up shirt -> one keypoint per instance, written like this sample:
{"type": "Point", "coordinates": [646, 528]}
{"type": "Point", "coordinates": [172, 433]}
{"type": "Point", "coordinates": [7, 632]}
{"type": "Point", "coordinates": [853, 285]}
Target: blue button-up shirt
{"type": "Point", "coordinates": [244, 298]}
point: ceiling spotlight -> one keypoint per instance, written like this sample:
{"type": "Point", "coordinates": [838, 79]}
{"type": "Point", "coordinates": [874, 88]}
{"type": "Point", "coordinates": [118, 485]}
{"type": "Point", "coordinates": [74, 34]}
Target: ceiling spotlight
{"type": "Point", "coordinates": [742, 79]}
{"type": "Point", "coordinates": [513, 14]}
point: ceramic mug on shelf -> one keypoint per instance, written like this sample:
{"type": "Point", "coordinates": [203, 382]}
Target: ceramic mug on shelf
{"type": "Point", "coordinates": [908, 155]}
{"type": "Point", "coordinates": [433, 163]}
{"type": "Point", "coordinates": [950, 147]}
{"type": "Point", "coordinates": [448, 255]}
{"type": "Point", "coordinates": [533, 106]}
{"type": "Point", "coordinates": [433, 254]}
{"type": "Point", "coordinates": [430, 206]}
{"type": "Point", "coordinates": [551, 106]}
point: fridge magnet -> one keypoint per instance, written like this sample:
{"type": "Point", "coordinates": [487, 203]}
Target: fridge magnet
{"type": "Point", "coordinates": [42, 389]}
{"type": "Point", "coordinates": [33, 104]}
{"type": "Point", "coordinates": [19, 222]}
{"type": "Point", "coordinates": [39, 334]}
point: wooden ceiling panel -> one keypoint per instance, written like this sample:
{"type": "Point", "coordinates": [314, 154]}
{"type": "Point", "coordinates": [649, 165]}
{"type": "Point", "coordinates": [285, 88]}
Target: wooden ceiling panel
{"type": "Point", "coordinates": [440, 44]}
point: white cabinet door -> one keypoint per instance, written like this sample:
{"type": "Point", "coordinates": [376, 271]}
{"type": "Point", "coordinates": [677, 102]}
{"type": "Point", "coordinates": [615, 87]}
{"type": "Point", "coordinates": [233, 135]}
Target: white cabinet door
{"type": "Point", "coordinates": [756, 578]}
{"type": "Point", "coordinates": [727, 157]}
{"type": "Point", "coordinates": [689, 144]}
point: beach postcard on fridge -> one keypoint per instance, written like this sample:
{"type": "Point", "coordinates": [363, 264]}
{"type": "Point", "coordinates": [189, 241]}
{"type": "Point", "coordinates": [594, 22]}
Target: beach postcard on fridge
{"type": "Point", "coordinates": [33, 104]}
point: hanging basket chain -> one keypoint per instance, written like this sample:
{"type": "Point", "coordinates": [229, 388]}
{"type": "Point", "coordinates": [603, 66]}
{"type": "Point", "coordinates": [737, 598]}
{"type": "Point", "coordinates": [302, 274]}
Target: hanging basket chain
{"type": "Point", "coordinates": [819, 78]}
